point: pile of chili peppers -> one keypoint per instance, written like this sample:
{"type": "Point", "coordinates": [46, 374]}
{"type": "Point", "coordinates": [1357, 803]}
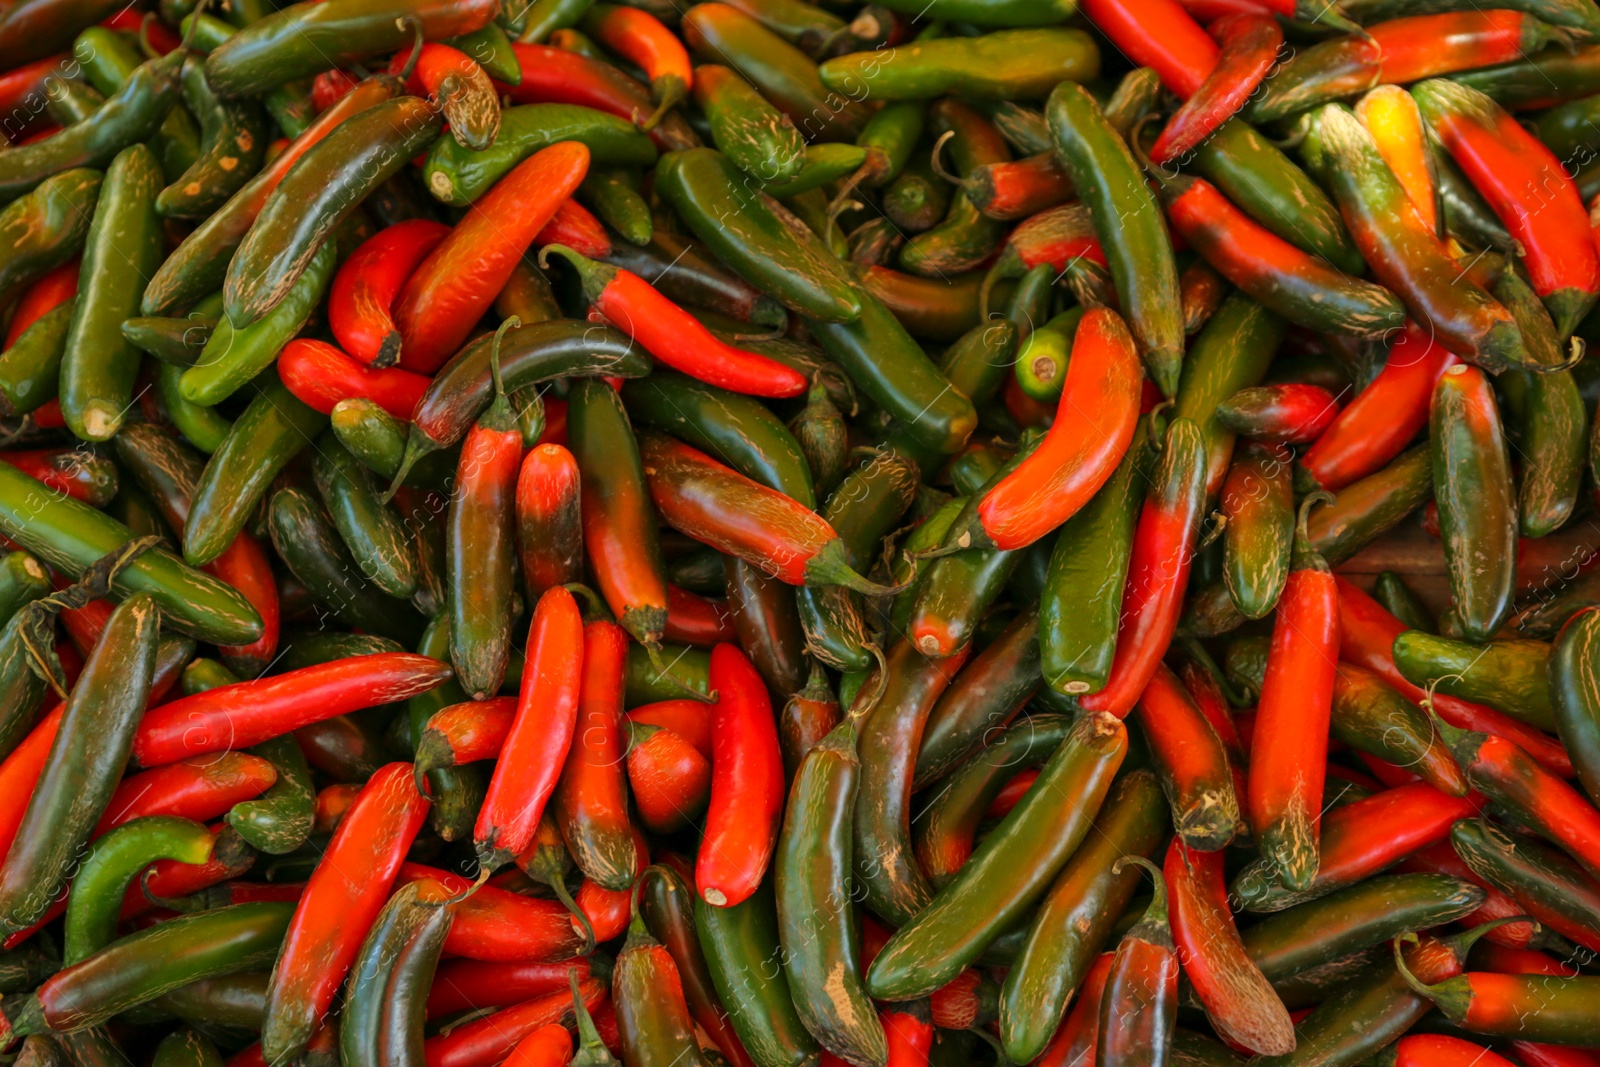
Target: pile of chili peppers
{"type": "Point", "coordinates": [782, 534]}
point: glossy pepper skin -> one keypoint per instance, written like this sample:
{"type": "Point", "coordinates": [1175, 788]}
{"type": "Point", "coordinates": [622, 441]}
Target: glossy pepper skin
{"type": "Point", "coordinates": [1139, 1006]}
{"type": "Point", "coordinates": [741, 824]}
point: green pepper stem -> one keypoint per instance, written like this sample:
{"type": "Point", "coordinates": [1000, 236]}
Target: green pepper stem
{"type": "Point", "coordinates": [595, 277]}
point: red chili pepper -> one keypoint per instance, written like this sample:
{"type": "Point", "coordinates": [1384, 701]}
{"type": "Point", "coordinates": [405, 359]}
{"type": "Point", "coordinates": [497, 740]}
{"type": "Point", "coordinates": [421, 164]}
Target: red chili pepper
{"type": "Point", "coordinates": [1238, 1000]}
{"type": "Point", "coordinates": [1017, 188]}
{"type": "Point", "coordinates": [247, 713]}
{"type": "Point", "coordinates": [1094, 424]}
{"type": "Point", "coordinates": [1384, 417]}
{"type": "Point", "coordinates": [1024, 410]}
{"type": "Point", "coordinates": [608, 910]}
{"type": "Point", "coordinates": [471, 985]}
{"type": "Point", "coordinates": [909, 1029]}
{"type": "Point", "coordinates": [574, 226]}
{"type": "Point", "coordinates": [1249, 46]}
{"type": "Point", "coordinates": [1531, 1054]}
{"type": "Point", "coordinates": [1366, 638]}
{"type": "Point", "coordinates": [640, 38]}
{"type": "Point", "coordinates": [320, 375]}
{"type": "Point", "coordinates": [130, 20]}
{"type": "Point", "coordinates": [1439, 1050]}
{"type": "Point", "coordinates": [548, 1046]}
{"type": "Point", "coordinates": [48, 293]}
{"type": "Point", "coordinates": [1075, 1039]}
{"type": "Point", "coordinates": [23, 95]}
{"type": "Point", "coordinates": [465, 733]}
{"type": "Point", "coordinates": [169, 879]}
{"type": "Point", "coordinates": [497, 925]}
{"type": "Point", "coordinates": [556, 76]}
{"type": "Point", "coordinates": [1158, 571]}
{"type": "Point", "coordinates": [436, 63]}
{"type": "Point", "coordinates": [696, 620]}
{"type": "Point", "coordinates": [535, 749]}
{"type": "Point", "coordinates": [1290, 744]}
{"type": "Point", "coordinates": [670, 778]}
{"type": "Point", "coordinates": [1528, 188]}
{"type": "Point", "coordinates": [1158, 34]}
{"type": "Point", "coordinates": [245, 566]}
{"type": "Point", "coordinates": [1010, 794]}
{"type": "Point", "coordinates": [549, 521]}
{"type": "Point", "coordinates": [333, 803]}
{"type": "Point", "coordinates": [330, 87]}
{"type": "Point", "coordinates": [1512, 778]}
{"type": "Point", "coordinates": [1442, 859]}
{"type": "Point", "coordinates": [342, 897]}
{"type": "Point", "coordinates": [442, 302]}
{"type": "Point", "coordinates": [1192, 761]}
{"type": "Point", "coordinates": [747, 789]}
{"type": "Point", "coordinates": [674, 336]}
{"type": "Point", "coordinates": [1292, 413]}
{"type": "Point", "coordinates": [61, 470]}
{"type": "Point", "coordinates": [1426, 46]}
{"type": "Point", "coordinates": [489, 1040]}
{"type": "Point", "coordinates": [689, 719]}
{"type": "Point", "coordinates": [591, 799]}
{"type": "Point", "coordinates": [48, 416]}
{"type": "Point", "coordinates": [1495, 957]}
{"type": "Point", "coordinates": [956, 1005]}
{"type": "Point", "coordinates": [367, 283]}
{"type": "Point", "coordinates": [201, 789]}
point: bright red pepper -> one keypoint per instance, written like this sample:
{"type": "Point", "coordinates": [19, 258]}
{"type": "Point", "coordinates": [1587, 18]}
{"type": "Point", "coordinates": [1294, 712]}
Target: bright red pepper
{"type": "Point", "coordinates": [1249, 47]}
{"type": "Point", "coordinates": [549, 522]}
{"type": "Point", "coordinates": [1383, 418]}
{"type": "Point", "coordinates": [61, 470]}
{"type": "Point", "coordinates": [674, 336]}
{"type": "Point", "coordinates": [442, 302]}
{"type": "Point", "coordinates": [169, 879]}
{"type": "Point", "coordinates": [1291, 413]}
{"type": "Point", "coordinates": [333, 803]}
{"type": "Point", "coordinates": [465, 733]}
{"type": "Point", "coordinates": [497, 925]}
{"type": "Point", "coordinates": [1010, 794]}
{"type": "Point", "coordinates": [48, 293]}
{"type": "Point", "coordinates": [1290, 743]}
{"type": "Point", "coordinates": [696, 620]}
{"type": "Point", "coordinates": [1366, 638]}
{"type": "Point", "coordinates": [159, 36]}
{"type": "Point", "coordinates": [909, 1029]}
{"type": "Point", "coordinates": [1426, 46]}
{"type": "Point", "coordinates": [670, 779]}
{"type": "Point", "coordinates": [608, 910]}
{"type": "Point", "coordinates": [1241, 1004]}
{"type": "Point", "coordinates": [747, 787]}
{"type": "Point", "coordinates": [535, 749]}
{"type": "Point", "coordinates": [320, 375]}
{"type": "Point", "coordinates": [556, 76]}
{"type": "Point", "coordinates": [245, 566]}
{"type": "Point", "coordinates": [1528, 188]}
{"type": "Point", "coordinates": [591, 799]}
{"type": "Point", "coordinates": [548, 1046]}
{"type": "Point", "coordinates": [330, 87]}
{"type": "Point", "coordinates": [470, 985]}
{"type": "Point", "coordinates": [574, 226]}
{"type": "Point", "coordinates": [640, 38]}
{"type": "Point", "coordinates": [343, 896]}
{"type": "Point", "coordinates": [689, 719]}
{"type": "Point", "coordinates": [1158, 34]}
{"type": "Point", "coordinates": [247, 713]}
{"type": "Point", "coordinates": [489, 1040]}
{"type": "Point", "coordinates": [365, 288]}
{"type": "Point", "coordinates": [201, 789]}
{"type": "Point", "coordinates": [1094, 423]}
{"type": "Point", "coordinates": [24, 96]}
{"type": "Point", "coordinates": [1440, 1050]}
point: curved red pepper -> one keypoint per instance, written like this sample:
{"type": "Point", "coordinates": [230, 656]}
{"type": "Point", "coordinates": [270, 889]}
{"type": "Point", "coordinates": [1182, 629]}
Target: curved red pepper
{"type": "Point", "coordinates": [24, 95]}
{"type": "Point", "coordinates": [674, 336]}
{"type": "Point", "coordinates": [1383, 418]}
{"type": "Point", "coordinates": [576, 227]}
{"type": "Point", "coordinates": [342, 898]}
{"type": "Point", "coordinates": [497, 925]}
{"type": "Point", "coordinates": [909, 1030]}
{"type": "Point", "coordinates": [469, 985]}
{"type": "Point", "coordinates": [320, 375]}
{"type": "Point", "coordinates": [1366, 638]}
{"type": "Point", "coordinates": [540, 736]}
{"type": "Point", "coordinates": [367, 283]}
{"type": "Point", "coordinates": [61, 470]}
{"type": "Point", "coordinates": [201, 789]}
{"type": "Point", "coordinates": [48, 293]}
{"type": "Point", "coordinates": [689, 719]}
{"type": "Point", "coordinates": [1540, 799]}
{"type": "Point", "coordinates": [747, 788]}
{"type": "Point", "coordinates": [456, 285]}
{"type": "Point", "coordinates": [1094, 424]}
{"type": "Point", "coordinates": [696, 620]}
{"type": "Point", "coordinates": [467, 732]}
{"type": "Point", "coordinates": [1440, 1050]}
{"type": "Point", "coordinates": [1291, 413]}
{"type": "Point", "coordinates": [1158, 34]}
{"type": "Point", "coordinates": [247, 713]}
{"type": "Point", "coordinates": [489, 1040]}
{"type": "Point", "coordinates": [1249, 46]}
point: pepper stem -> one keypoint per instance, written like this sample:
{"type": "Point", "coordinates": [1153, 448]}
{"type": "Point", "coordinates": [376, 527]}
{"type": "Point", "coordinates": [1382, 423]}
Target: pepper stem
{"type": "Point", "coordinates": [937, 162]}
{"type": "Point", "coordinates": [558, 885]}
{"type": "Point", "coordinates": [829, 567]}
{"type": "Point", "coordinates": [418, 444]}
{"type": "Point", "coordinates": [594, 276]}
{"type": "Point", "coordinates": [659, 665]}
{"type": "Point", "coordinates": [1302, 534]}
{"type": "Point", "coordinates": [591, 1050]}
{"type": "Point", "coordinates": [594, 608]}
{"type": "Point", "coordinates": [477, 884]}
{"type": "Point", "coordinates": [416, 45]}
{"type": "Point", "coordinates": [1405, 972]}
{"type": "Point", "coordinates": [1156, 913]}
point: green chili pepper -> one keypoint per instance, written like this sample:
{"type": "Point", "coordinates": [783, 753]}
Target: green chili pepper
{"type": "Point", "coordinates": [108, 59]}
{"type": "Point", "coordinates": [1553, 76]}
{"type": "Point", "coordinates": [144, 965]}
{"type": "Point", "coordinates": [752, 133]}
{"type": "Point", "coordinates": [457, 792]}
{"type": "Point", "coordinates": [378, 439]}
{"type": "Point", "coordinates": [916, 199]}
{"type": "Point", "coordinates": [23, 579]}
{"type": "Point", "coordinates": [129, 116]}
{"type": "Point", "coordinates": [317, 194]}
{"type": "Point", "coordinates": [1391, 590]}
{"type": "Point", "coordinates": [110, 866]}
{"type": "Point", "coordinates": [612, 193]}
{"type": "Point", "coordinates": [233, 356]}
{"type": "Point", "coordinates": [988, 692]}
{"type": "Point", "coordinates": [30, 370]}
{"type": "Point", "coordinates": [47, 227]}
{"type": "Point", "coordinates": [1230, 353]}
{"type": "Point", "coordinates": [124, 248]}
{"type": "Point", "coordinates": [458, 176]}
{"type": "Point", "coordinates": [87, 759]}
{"type": "Point", "coordinates": [270, 433]}
{"type": "Point", "coordinates": [1075, 921]}
{"type": "Point", "coordinates": [1552, 429]}
{"type": "Point", "coordinates": [1012, 65]}
{"type": "Point", "coordinates": [170, 340]}
{"type": "Point", "coordinates": [186, 1048]}
{"type": "Point", "coordinates": [371, 529]}
{"type": "Point", "coordinates": [1365, 510]}
{"type": "Point", "coordinates": [490, 48]}
{"type": "Point", "coordinates": [1258, 499]}
{"type": "Point", "coordinates": [1128, 222]}
{"type": "Point", "coordinates": [1010, 871]}
{"type": "Point", "coordinates": [745, 233]}
{"type": "Point", "coordinates": [541, 18]}
{"type": "Point", "coordinates": [205, 428]}
{"type": "Point", "coordinates": [1371, 717]}
{"type": "Point", "coordinates": [892, 369]}
{"type": "Point", "coordinates": [681, 668]}
{"type": "Point", "coordinates": [404, 1000]}
{"type": "Point", "coordinates": [1543, 881]}
{"type": "Point", "coordinates": [1508, 675]}
{"type": "Point", "coordinates": [741, 949]}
